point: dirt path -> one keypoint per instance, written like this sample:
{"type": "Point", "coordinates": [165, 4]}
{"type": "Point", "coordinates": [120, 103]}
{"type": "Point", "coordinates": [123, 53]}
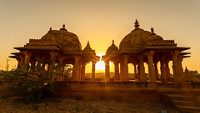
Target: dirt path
{"type": "Point", "coordinates": [69, 105]}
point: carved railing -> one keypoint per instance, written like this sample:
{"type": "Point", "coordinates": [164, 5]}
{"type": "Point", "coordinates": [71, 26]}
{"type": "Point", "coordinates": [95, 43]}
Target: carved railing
{"type": "Point", "coordinates": [108, 85]}
{"type": "Point", "coordinates": [121, 85]}
{"type": "Point", "coordinates": [193, 85]}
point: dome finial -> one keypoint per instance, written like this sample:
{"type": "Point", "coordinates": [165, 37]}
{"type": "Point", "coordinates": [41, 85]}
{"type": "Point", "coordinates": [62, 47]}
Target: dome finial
{"type": "Point", "coordinates": [136, 24]}
{"type": "Point", "coordinates": [50, 28]}
{"type": "Point", "coordinates": [88, 43]}
{"type": "Point", "coordinates": [63, 28]}
{"type": "Point", "coordinates": [152, 30]}
{"type": "Point", "coordinates": [113, 42]}
{"type": "Point", "coordinates": [87, 47]}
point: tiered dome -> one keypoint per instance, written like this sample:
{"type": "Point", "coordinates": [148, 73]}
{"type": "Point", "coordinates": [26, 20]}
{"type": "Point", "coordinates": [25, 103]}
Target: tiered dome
{"type": "Point", "coordinates": [87, 48]}
{"type": "Point", "coordinates": [135, 41]}
{"type": "Point", "coordinates": [154, 37]}
{"type": "Point", "coordinates": [112, 49]}
{"type": "Point", "coordinates": [68, 41]}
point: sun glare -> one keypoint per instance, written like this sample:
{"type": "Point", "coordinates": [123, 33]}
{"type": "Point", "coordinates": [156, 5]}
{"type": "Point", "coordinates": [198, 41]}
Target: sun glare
{"type": "Point", "coordinates": [100, 66]}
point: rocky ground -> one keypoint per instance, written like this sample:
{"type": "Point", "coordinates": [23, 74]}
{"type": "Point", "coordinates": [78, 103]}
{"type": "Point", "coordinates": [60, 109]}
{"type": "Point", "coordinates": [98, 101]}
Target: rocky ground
{"type": "Point", "coordinates": [74, 105]}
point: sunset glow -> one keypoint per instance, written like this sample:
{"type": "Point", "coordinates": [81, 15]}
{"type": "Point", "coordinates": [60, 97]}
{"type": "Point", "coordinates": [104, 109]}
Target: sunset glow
{"type": "Point", "coordinates": [100, 66]}
{"type": "Point", "coordinates": [99, 22]}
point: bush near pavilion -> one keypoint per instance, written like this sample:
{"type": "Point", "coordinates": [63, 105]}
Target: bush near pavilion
{"type": "Point", "coordinates": [35, 87]}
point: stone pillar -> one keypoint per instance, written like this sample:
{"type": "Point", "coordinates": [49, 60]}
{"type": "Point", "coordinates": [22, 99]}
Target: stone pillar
{"type": "Point", "coordinates": [167, 70]}
{"type": "Point", "coordinates": [138, 71]}
{"type": "Point", "coordinates": [26, 60]}
{"type": "Point", "coordinates": [76, 68]}
{"type": "Point", "coordinates": [52, 62]}
{"type": "Point", "coordinates": [156, 70]}
{"type": "Point", "coordinates": [61, 67]}
{"type": "Point", "coordinates": [117, 77]}
{"type": "Point", "coordinates": [163, 70]}
{"type": "Point", "coordinates": [121, 71]}
{"type": "Point", "coordinates": [79, 68]}
{"type": "Point", "coordinates": [175, 65]}
{"type": "Point", "coordinates": [83, 71]}
{"type": "Point", "coordinates": [125, 60]}
{"type": "Point", "coordinates": [151, 68]}
{"type": "Point", "coordinates": [21, 63]}
{"type": "Point", "coordinates": [32, 65]}
{"type": "Point", "coordinates": [93, 70]}
{"type": "Point", "coordinates": [38, 65]}
{"type": "Point", "coordinates": [18, 63]}
{"type": "Point", "coordinates": [107, 68]}
{"type": "Point", "coordinates": [142, 70]}
{"type": "Point", "coordinates": [135, 71]}
{"type": "Point", "coordinates": [79, 71]}
{"type": "Point", "coordinates": [177, 68]}
{"type": "Point", "coordinates": [180, 68]}
{"type": "Point", "coordinates": [43, 66]}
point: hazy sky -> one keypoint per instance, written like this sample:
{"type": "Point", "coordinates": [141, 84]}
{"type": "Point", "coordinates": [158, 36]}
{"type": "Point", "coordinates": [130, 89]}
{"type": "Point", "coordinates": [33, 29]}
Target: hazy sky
{"type": "Point", "coordinates": [100, 21]}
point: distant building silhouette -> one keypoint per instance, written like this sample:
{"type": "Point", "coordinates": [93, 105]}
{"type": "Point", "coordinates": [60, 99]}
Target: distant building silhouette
{"type": "Point", "coordinates": [139, 47]}
{"type": "Point", "coordinates": [60, 47]}
{"type": "Point", "coordinates": [53, 51]}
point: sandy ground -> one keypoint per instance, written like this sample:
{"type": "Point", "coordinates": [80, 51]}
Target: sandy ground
{"type": "Point", "coordinates": [72, 105]}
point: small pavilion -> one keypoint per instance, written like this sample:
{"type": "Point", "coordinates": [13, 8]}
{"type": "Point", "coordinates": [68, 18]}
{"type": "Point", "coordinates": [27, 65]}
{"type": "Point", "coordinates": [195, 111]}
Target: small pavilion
{"type": "Point", "coordinates": [53, 51]}
{"type": "Point", "coordinates": [139, 47]}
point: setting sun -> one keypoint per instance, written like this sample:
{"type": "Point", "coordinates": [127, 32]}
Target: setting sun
{"type": "Point", "coordinates": [100, 66]}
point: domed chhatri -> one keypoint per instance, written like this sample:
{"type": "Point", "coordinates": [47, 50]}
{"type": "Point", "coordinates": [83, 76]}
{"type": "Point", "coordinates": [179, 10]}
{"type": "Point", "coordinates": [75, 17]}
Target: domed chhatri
{"type": "Point", "coordinates": [141, 46]}
{"type": "Point", "coordinates": [137, 39]}
{"type": "Point", "coordinates": [56, 49]}
{"type": "Point", "coordinates": [87, 48]}
{"type": "Point", "coordinates": [113, 49]}
{"type": "Point", "coordinates": [67, 41]}
{"type": "Point", "coordinates": [60, 47]}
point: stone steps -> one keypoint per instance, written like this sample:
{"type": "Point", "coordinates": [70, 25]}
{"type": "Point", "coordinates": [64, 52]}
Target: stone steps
{"type": "Point", "coordinates": [184, 103]}
{"type": "Point", "coordinates": [181, 100]}
{"type": "Point", "coordinates": [179, 97]}
{"type": "Point", "coordinates": [189, 109]}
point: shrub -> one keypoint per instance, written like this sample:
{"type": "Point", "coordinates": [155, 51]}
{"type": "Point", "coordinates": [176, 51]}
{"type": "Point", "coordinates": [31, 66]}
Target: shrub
{"type": "Point", "coordinates": [33, 87]}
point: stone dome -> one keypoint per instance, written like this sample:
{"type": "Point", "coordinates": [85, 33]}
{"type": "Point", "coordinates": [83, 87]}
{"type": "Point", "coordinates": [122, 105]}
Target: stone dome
{"type": "Point", "coordinates": [112, 49]}
{"type": "Point", "coordinates": [67, 41]}
{"type": "Point", "coordinates": [88, 49]}
{"type": "Point", "coordinates": [135, 41]}
{"type": "Point", "coordinates": [154, 37]}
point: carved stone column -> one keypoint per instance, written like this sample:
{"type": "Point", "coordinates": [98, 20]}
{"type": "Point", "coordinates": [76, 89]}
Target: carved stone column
{"type": "Point", "coordinates": [83, 71]}
{"type": "Point", "coordinates": [93, 70]}
{"type": "Point", "coordinates": [142, 70]}
{"type": "Point", "coordinates": [18, 63]}
{"type": "Point", "coordinates": [125, 60]}
{"type": "Point", "coordinates": [107, 69]}
{"type": "Point", "coordinates": [61, 65]}
{"type": "Point", "coordinates": [175, 65]}
{"type": "Point", "coordinates": [135, 71]}
{"type": "Point", "coordinates": [180, 69]}
{"type": "Point", "coordinates": [156, 70]}
{"type": "Point", "coordinates": [38, 67]}
{"type": "Point", "coordinates": [21, 63]}
{"type": "Point", "coordinates": [121, 70]}
{"type": "Point", "coordinates": [167, 70]}
{"type": "Point", "coordinates": [53, 56]}
{"type": "Point", "coordinates": [117, 77]}
{"type": "Point", "coordinates": [163, 70]}
{"type": "Point", "coordinates": [76, 68]}
{"type": "Point", "coordinates": [27, 55]}
{"type": "Point", "coordinates": [43, 66]}
{"type": "Point", "coordinates": [33, 65]}
{"type": "Point", "coordinates": [151, 68]}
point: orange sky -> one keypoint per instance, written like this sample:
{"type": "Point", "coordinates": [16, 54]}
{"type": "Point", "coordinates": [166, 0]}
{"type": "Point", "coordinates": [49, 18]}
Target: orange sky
{"type": "Point", "coordinates": [99, 22]}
